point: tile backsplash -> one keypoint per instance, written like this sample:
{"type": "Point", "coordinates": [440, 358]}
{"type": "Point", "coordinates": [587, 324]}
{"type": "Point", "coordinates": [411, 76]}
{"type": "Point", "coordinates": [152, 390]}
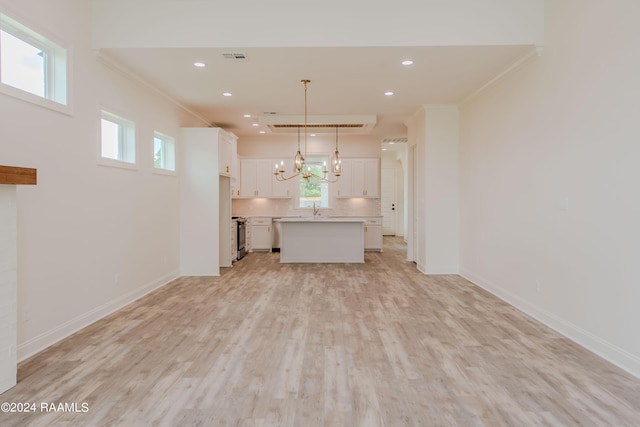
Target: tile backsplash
{"type": "Point", "coordinates": [285, 207]}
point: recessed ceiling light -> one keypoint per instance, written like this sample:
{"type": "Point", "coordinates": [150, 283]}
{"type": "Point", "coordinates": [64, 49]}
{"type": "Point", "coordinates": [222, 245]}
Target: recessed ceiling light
{"type": "Point", "coordinates": [407, 62]}
{"type": "Point", "coordinates": [312, 134]}
{"type": "Point", "coordinates": [199, 64]}
{"type": "Point", "coordinates": [255, 125]}
{"type": "Point", "coordinates": [388, 93]}
{"type": "Point", "coordinates": [227, 94]}
{"type": "Point", "coordinates": [247, 116]}
{"type": "Point", "coordinates": [263, 131]}
{"type": "Point", "coordinates": [384, 149]}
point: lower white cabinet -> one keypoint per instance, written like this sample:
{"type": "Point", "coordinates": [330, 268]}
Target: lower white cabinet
{"type": "Point", "coordinates": [262, 237]}
{"type": "Point", "coordinates": [373, 234]}
{"type": "Point", "coordinates": [260, 234]}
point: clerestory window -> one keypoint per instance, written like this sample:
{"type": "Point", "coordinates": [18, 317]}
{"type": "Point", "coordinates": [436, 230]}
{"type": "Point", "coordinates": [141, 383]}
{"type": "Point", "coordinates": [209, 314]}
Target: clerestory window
{"type": "Point", "coordinates": [32, 67]}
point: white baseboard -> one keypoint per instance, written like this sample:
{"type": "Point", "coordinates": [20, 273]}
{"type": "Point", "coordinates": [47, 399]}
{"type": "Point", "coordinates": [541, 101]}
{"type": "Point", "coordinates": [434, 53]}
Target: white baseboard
{"type": "Point", "coordinates": [608, 351]}
{"type": "Point", "coordinates": [438, 269]}
{"type": "Point", "coordinates": [420, 267]}
{"type": "Point", "coordinates": [60, 332]}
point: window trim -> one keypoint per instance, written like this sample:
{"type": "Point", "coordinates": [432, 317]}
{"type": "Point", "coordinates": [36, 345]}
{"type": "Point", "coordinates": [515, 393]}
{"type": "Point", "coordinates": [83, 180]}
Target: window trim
{"type": "Point", "coordinates": [165, 138]}
{"type": "Point", "coordinates": [129, 134]}
{"type": "Point", "coordinates": [329, 206]}
{"type": "Point", "coordinates": [57, 68]}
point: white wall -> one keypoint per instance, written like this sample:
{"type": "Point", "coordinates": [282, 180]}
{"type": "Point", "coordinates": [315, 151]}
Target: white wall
{"type": "Point", "coordinates": [434, 131]}
{"type": "Point", "coordinates": [8, 287]}
{"type": "Point", "coordinates": [549, 180]}
{"type": "Point", "coordinates": [326, 23]}
{"type": "Point", "coordinates": [90, 238]}
{"type": "Point", "coordinates": [285, 145]}
{"type": "Point", "coordinates": [416, 134]}
{"type": "Point", "coordinates": [441, 217]}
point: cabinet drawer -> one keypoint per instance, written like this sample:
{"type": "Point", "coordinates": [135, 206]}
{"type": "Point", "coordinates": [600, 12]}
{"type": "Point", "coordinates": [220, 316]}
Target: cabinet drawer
{"type": "Point", "coordinates": [260, 221]}
{"type": "Point", "coordinates": [373, 221]}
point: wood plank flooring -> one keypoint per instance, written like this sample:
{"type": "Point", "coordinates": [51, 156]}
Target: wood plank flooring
{"type": "Point", "coordinates": [374, 344]}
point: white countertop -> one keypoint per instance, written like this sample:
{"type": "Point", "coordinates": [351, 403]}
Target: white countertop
{"type": "Point", "coordinates": [274, 216]}
{"type": "Point", "coordinates": [319, 219]}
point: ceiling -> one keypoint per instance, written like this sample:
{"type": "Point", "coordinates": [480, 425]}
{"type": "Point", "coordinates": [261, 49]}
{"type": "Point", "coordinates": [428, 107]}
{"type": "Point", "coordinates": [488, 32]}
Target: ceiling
{"type": "Point", "coordinates": [344, 80]}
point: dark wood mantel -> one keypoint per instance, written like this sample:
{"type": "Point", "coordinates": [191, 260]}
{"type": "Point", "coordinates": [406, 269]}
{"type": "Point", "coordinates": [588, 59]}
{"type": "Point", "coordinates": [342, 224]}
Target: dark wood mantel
{"type": "Point", "coordinates": [19, 176]}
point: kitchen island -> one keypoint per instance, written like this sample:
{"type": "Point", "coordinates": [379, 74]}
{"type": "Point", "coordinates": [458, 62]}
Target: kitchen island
{"type": "Point", "coordinates": [328, 240]}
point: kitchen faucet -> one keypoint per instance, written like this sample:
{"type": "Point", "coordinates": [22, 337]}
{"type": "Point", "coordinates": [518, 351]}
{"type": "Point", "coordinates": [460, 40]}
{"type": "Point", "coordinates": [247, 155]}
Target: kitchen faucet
{"type": "Point", "coordinates": [316, 211]}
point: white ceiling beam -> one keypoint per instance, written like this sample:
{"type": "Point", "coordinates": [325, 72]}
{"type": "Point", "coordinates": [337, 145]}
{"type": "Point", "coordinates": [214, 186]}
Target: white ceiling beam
{"type": "Point", "coordinates": [331, 23]}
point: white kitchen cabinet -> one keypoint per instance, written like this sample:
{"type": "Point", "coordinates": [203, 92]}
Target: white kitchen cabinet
{"type": "Point", "coordinates": [225, 161]}
{"type": "Point", "coordinates": [373, 234]}
{"type": "Point", "coordinates": [257, 179]}
{"type": "Point", "coordinates": [260, 234]}
{"type": "Point", "coordinates": [357, 178]}
{"type": "Point", "coordinates": [235, 169]}
{"type": "Point", "coordinates": [283, 189]}
{"type": "Point", "coordinates": [343, 186]}
{"type": "Point", "coordinates": [360, 178]}
{"type": "Point", "coordinates": [371, 187]}
{"type": "Point", "coordinates": [248, 177]}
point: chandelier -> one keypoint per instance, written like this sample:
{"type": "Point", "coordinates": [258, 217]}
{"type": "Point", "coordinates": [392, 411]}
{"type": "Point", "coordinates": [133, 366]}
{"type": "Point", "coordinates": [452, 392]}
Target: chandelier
{"type": "Point", "coordinates": [300, 167]}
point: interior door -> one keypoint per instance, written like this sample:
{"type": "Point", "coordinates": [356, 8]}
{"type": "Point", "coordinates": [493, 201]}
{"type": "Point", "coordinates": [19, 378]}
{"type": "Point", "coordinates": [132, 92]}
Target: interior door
{"type": "Point", "coordinates": [388, 201]}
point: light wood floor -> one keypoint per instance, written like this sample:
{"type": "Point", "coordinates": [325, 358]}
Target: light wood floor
{"type": "Point", "coordinates": [323, 345]}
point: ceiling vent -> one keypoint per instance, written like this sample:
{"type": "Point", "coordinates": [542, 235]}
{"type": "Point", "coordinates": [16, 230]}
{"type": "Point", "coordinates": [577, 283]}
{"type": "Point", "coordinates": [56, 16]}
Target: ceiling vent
{"type": "Point", "coordinates": [399, 140]}
{"type": "Point", "coordinates": [235, 56]}
{"type": "Point", "coordinates": [353, 124]}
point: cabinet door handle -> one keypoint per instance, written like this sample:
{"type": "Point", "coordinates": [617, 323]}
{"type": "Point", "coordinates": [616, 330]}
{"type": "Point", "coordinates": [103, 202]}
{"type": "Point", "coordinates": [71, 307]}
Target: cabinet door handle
{"type": "Point", "coordinates": [227, 169]}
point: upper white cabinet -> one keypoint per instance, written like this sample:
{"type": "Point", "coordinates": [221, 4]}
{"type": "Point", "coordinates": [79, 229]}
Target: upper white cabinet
{"type": "Point", "coordinates": [258, 180]}
{"type": "Point", "coordinates": [343, 186]}
{"type": "Point", "coordinates": [224, 157]}
{"type": "Point", "coordinates": [283, 189]}
{"type": "Point", "coordinates": [360, 178]}
{"type": "Point", "coordinates": [227, 143]}
{"type": "Point", "coordinates": [371, 187]}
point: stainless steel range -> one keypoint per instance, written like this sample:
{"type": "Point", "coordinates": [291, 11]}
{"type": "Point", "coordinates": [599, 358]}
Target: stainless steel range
{"type": "Point", "coordinates": [241, 235]}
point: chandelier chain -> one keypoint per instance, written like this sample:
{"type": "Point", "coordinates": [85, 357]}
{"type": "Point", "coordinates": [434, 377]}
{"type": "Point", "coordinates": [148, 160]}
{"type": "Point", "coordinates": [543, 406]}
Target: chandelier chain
{"type": "Point", "coordinates": [300, 160]}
